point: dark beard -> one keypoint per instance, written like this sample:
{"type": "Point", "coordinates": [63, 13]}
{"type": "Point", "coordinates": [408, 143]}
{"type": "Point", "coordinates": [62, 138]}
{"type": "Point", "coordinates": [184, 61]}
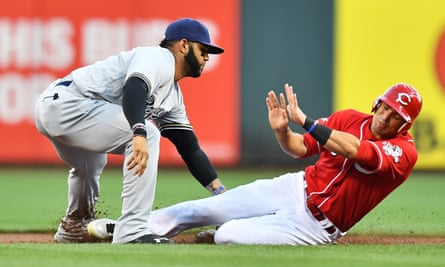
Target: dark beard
{"type": "Point", "coordinates": [193, 66]}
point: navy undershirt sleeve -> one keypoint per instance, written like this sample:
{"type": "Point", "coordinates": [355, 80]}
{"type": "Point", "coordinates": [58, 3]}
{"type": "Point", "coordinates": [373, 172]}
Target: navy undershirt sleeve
{"type": "Point", "coordinates": [194, 157]}
{"type": "Point", "coordinates": [134, 97]}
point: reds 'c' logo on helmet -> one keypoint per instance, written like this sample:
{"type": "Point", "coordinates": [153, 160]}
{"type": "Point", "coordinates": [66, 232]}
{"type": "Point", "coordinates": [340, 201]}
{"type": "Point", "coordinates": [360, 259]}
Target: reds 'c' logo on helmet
{"type": "Point", "coordinates": [405, 100]}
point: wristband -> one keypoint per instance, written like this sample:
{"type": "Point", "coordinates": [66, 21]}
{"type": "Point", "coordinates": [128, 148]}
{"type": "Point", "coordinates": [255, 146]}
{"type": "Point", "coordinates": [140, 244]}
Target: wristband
{"type": "Point", "coordinates": [320, 132]}
{"type": "Point", "coordinates": [308, 123]}
{"type": "Point", "coordinates": [219, 190]}
{"type": "Point", "coordinates": [312, 128]}
{"type": "Point", "coordinates": [139, 129]}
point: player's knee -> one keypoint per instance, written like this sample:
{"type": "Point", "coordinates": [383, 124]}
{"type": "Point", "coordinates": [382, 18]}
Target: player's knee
{"type": "Point", "coordinates": [225, 234]}
{"type": "Point", "coordinates": [89, 168]}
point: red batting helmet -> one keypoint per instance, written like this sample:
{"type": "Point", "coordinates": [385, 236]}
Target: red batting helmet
{"type": "Point", "coordinates": [405, 100]}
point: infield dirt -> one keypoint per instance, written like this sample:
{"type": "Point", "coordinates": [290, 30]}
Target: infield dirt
{"type": "Point", "coordinates": [191, 238]}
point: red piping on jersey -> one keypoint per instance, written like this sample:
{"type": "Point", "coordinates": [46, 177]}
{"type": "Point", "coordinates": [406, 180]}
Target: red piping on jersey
{"type": "Point", "coordinates": [343, 168]}
{"type": "Point", "coordinates": [362, 170]}
{"type": "Point", "coordinates": [329, 184]}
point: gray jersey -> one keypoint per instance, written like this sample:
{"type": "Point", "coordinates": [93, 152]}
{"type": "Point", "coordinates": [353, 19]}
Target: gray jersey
{"type": "Point", "coordinates": [84, 120]}
{"type": "Point", "coordinates": [155, 65]}
{"type": "Point", "coordinates": [83, 117]}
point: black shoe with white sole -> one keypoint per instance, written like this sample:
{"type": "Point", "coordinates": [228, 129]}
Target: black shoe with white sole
{"type": "Point", "coordinates": [152, 239]}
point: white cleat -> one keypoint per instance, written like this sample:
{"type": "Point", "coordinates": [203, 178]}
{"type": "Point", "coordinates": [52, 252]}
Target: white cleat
{"type": "Point", "coordinates": [101, 228]}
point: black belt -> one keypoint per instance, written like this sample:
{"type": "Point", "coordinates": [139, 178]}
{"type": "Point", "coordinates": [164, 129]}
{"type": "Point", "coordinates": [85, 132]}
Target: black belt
{"type": "Point", "coordinates": [64, 83]}
{"type": "Point", "coordinates": [319, 215]}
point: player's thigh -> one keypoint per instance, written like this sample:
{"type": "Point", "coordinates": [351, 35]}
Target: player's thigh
{"type": "Point", "coordinates": [102, 128]}
{"type": "Point", "coordinates": [263, 230]}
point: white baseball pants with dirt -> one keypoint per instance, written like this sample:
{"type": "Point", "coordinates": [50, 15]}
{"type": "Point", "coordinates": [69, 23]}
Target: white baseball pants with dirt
{"type": "Point", "coordinates": [267, 211]}
{"type": "Point", "coordinates": [83, 131]}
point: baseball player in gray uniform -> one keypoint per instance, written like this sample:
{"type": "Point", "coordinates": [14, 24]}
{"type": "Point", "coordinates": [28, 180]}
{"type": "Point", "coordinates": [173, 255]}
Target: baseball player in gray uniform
{"type": "Point", "coordinates": [122, 105]}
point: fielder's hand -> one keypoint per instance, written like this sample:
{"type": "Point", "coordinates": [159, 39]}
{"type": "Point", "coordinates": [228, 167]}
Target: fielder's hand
{"type": "Point", "coordinates": [139, 157]}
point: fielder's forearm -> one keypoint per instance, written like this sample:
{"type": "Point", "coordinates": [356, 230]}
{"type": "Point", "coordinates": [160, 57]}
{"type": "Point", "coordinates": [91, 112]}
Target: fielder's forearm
{"type": "Point", "coordinates": [194, 157]}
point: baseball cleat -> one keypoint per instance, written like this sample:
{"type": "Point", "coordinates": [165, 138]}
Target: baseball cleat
{"type": "Point", "coordinates": [72, 230]}
{"type": "Point", "coordinates": [152, 239]}
{"type": "Point", "coordinates": [101, 228]}
{"type": "Point", "coordinates": [206, 236]}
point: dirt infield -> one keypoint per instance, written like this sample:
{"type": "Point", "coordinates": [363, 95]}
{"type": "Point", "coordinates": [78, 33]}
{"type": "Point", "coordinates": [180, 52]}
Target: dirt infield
{"type": "Point", "coordinates": [187, 238]}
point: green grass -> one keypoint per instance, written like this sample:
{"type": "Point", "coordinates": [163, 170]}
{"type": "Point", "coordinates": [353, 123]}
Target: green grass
{"type": "Point", "coordinates": [34, 199]}
{"type": "Point", "coordinates": [211, 255]}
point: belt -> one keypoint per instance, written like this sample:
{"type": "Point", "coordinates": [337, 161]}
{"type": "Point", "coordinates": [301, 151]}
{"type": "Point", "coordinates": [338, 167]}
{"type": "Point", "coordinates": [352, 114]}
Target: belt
{"type": "Point", "coordinates": [316, 212]}
{"type": "Point", "coordinates": [64, 83]}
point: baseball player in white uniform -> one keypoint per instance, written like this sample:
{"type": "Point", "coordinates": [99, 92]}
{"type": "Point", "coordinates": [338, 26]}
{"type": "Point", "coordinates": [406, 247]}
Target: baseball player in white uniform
{"type": "Point", "coordinates": [362, 159]}
{"type": "Point", "coordinates": [122, 105]}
